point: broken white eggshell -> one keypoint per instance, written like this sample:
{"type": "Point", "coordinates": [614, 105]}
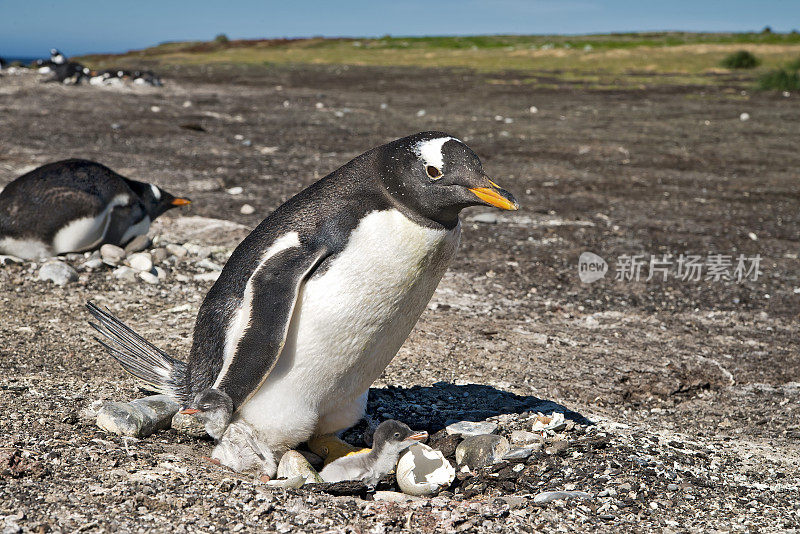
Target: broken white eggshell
{"type": "Point", "coordinates": [554, 421]}
{"type": "Point", "coordinates": [424, 471]}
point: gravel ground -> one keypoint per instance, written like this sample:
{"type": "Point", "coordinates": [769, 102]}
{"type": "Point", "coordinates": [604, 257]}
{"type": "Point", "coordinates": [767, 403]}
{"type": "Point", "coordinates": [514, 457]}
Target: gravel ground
{"type": "Point", "coordinates": [682, 395]}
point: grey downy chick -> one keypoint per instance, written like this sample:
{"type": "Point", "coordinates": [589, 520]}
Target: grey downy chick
{"type": "Point", "coordinates": [390, 439]}
{"type": "Point", "coordinates": [214, 408]}
{"type": "Point", "coordinates": [237, 447]}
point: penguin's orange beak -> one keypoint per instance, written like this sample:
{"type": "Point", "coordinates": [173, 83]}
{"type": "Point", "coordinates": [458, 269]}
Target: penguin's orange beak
{"type": "Point", "coordinates": [419, 436]}
{"type": "Point", "coordinates": [496, 196]}
{"type": "Point", "coordinates": [180, 201]}
{"type": "Point", "coordinates": [189, 411]}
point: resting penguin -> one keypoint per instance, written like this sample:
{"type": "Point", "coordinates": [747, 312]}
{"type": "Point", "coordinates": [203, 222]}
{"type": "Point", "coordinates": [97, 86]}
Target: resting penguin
{"type": "Point", "coordinates": [313, 305]}
{"type": "Point", "coordinates": [76, 205]}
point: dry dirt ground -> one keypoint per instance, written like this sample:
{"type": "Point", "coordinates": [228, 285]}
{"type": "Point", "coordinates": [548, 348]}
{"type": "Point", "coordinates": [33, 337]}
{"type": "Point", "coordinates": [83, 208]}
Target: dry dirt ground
{"type": "Point", "coordinates": [692, 386]}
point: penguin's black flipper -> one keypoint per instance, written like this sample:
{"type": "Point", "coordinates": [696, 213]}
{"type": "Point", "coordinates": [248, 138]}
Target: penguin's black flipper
{"type": "Point", "coordinates": [269, 303]}
{"type": "Point", "coordinates": [158, 371]}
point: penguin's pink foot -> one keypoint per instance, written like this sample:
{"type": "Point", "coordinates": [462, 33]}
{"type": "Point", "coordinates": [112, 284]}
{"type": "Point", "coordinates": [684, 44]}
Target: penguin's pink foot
{"type": "Point", "coordinates": [212, 460]}
{"type": "Point", "coordinates": [330, 447]}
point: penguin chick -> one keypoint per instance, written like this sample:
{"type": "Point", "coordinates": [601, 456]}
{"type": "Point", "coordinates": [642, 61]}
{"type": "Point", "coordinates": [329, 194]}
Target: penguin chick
{"type": "Point", "coordinates": [237, 446]}
{"type": "Point", "coordinates": [390, 439]}
{"type": "Point", "coordinates": [214, 408]}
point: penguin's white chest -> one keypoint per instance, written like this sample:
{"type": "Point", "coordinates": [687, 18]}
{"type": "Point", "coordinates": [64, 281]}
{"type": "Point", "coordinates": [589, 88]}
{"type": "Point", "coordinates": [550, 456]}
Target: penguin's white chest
{"type": "Point", "coordinates": [351, 319]}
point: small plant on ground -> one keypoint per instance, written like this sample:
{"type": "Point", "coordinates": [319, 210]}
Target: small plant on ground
{"type": "Point", "coordinates": [780, 80]}
{"type": "Point", "coordinates": [740, 60]}
{"type": "Point", "coordinates": [221, 39]}
{"type": "Point", "coordinates": [794, 65]}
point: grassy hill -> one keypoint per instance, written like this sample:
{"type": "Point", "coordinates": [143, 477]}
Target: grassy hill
{"type": "Point", "coordinates": [596, 59]}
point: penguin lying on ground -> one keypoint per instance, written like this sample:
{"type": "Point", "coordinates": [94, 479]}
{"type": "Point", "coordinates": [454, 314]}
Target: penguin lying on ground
{"type": "Point", "coordinates": [76, 205]}
{"type": "Point", "coordinates": [390, 439]}
{"type": "Point", "coordinates": [70, 73]}
{"type": "Point", "coordinates": [316, 301]}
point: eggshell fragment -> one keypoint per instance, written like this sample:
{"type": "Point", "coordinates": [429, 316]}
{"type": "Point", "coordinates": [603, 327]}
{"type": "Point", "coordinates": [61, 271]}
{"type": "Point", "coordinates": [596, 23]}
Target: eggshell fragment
{"type": "Point", "coordinates": [424, 471]}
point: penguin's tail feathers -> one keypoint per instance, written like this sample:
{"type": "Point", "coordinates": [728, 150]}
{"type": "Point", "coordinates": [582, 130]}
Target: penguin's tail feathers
{"type": "Point", "coordinates": [155, 369]}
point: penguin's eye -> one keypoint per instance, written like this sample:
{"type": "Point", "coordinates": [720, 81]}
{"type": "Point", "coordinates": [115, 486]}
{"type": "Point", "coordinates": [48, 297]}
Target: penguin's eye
{"type": "Point", "coordinates": [433, 172]}
{"type": "Point", "coordinates": [397, 434]}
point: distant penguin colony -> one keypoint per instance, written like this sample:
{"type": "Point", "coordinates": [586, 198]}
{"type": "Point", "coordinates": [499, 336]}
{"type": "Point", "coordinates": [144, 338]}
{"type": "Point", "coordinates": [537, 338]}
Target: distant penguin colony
{"type": "Point", "coordinates": [73, 73]}
{"type": "Point", "coordinates": [313, 305]}
{"type": "Point", "coordinates": [76, 205]}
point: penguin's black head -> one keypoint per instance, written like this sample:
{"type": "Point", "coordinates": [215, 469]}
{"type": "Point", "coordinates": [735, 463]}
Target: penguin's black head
{"type": "Point", "coordinates": [436, 175]}
{"type": "Point", "coordinates": [155, 199]}
{"type": "Point", "coordinates": [214, 408]}
{"type": "Point", "coordinates": [395, 435]}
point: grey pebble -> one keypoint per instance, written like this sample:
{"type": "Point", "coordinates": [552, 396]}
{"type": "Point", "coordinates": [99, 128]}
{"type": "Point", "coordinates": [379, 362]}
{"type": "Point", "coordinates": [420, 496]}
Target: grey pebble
{"type": "Point", "coordinates": [520, 453]}
{"type": "Point", "coordinates": [141, 261]}
{"type": "Point", "coordinates": [523, 436]}
{"type": "Point", "coordinates": [137, 244]}
{"type": "Point", "coordinates": [92, 263]}
{"type": "Point", "coordinates": [149, 277]}
{"type": "Point", "coordinates": [294, 464]}
{"type": "Point", "coordinates": [57, 272]}
{"type": "Point", "coordinates": [486, 218]}
{"type": "Point", "coordinates": [550, 496]}
{"type": "Point", "coordinates": [177, 250]}
{"type": "Point", "coordinates": [394, 496]}
{"type": "Point", "coordinates": [469, 428]}
{"type": "Point", "coordinates": [479, 451]}
{"type": "Point", "coordinates": [159, 254]}
{"type": "Point", "coordinates": [209, 265]}
{"type": "Point", "coordinates": [124, 272]}
{"type": "Point", "coordinates": [138, 418]}
{"type": "Point", "coordinates": [112, 254]}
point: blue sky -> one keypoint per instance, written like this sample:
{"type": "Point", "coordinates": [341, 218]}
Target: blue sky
{"type": "Point", "coordinates": [31, 27]}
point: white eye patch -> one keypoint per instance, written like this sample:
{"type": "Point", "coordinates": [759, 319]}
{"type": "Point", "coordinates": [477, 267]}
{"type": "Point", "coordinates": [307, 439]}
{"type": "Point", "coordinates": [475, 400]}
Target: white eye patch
{"type": "Point", "coordinates": [430, 151]}
{"type": "Point", "coordinates": [156, 192]}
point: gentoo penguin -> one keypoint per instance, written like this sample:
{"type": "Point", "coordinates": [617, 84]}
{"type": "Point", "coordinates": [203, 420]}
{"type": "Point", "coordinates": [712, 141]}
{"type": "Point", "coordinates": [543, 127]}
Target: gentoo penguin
{"type": "Point", "coordinates": [69, 73]}
{"type": "Point", "coordinates": [57, 57]}
{"type": "Point", "coordinates": [313, 305]}
{"type": "Point", "coordinates": [390, 439]}
{"type": "Point", "coordinates": [76, 205]}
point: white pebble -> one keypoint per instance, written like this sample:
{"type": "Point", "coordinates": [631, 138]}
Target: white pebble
{"type": "Point", "coordinates": [177, 250]}
{"type": "Point", "coordinates": [247, 209]}
{"type": "Point", "coordinates": [550, 496]}
{"type": "Point", "coordinates": [744, 117]}
{"type": "Point", "coordinates": [155, 109]}
{"type": "Point", "coordinates": [752, 236]}
{"type": "Point", "coordinates": [533, 109]}
{"type": "Point", "coordinates": [141, 261]}
{"type": "Point", "coordinates": [207, 277]}
{"type": "Point", "coordinates": [187, 103]}
{"type": "Point", "coordinates": [57, 272]}
{"type": "Point", "coordinates": [319, 105]}
{"type": "Point", "coordinates": [150, 278]}
{"type": "Point", "coordinates": [235, 190]}
{"type": "Point", "coordinates": [421, 113]}
{"type": "Point", "coordinates": [124, 273]}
